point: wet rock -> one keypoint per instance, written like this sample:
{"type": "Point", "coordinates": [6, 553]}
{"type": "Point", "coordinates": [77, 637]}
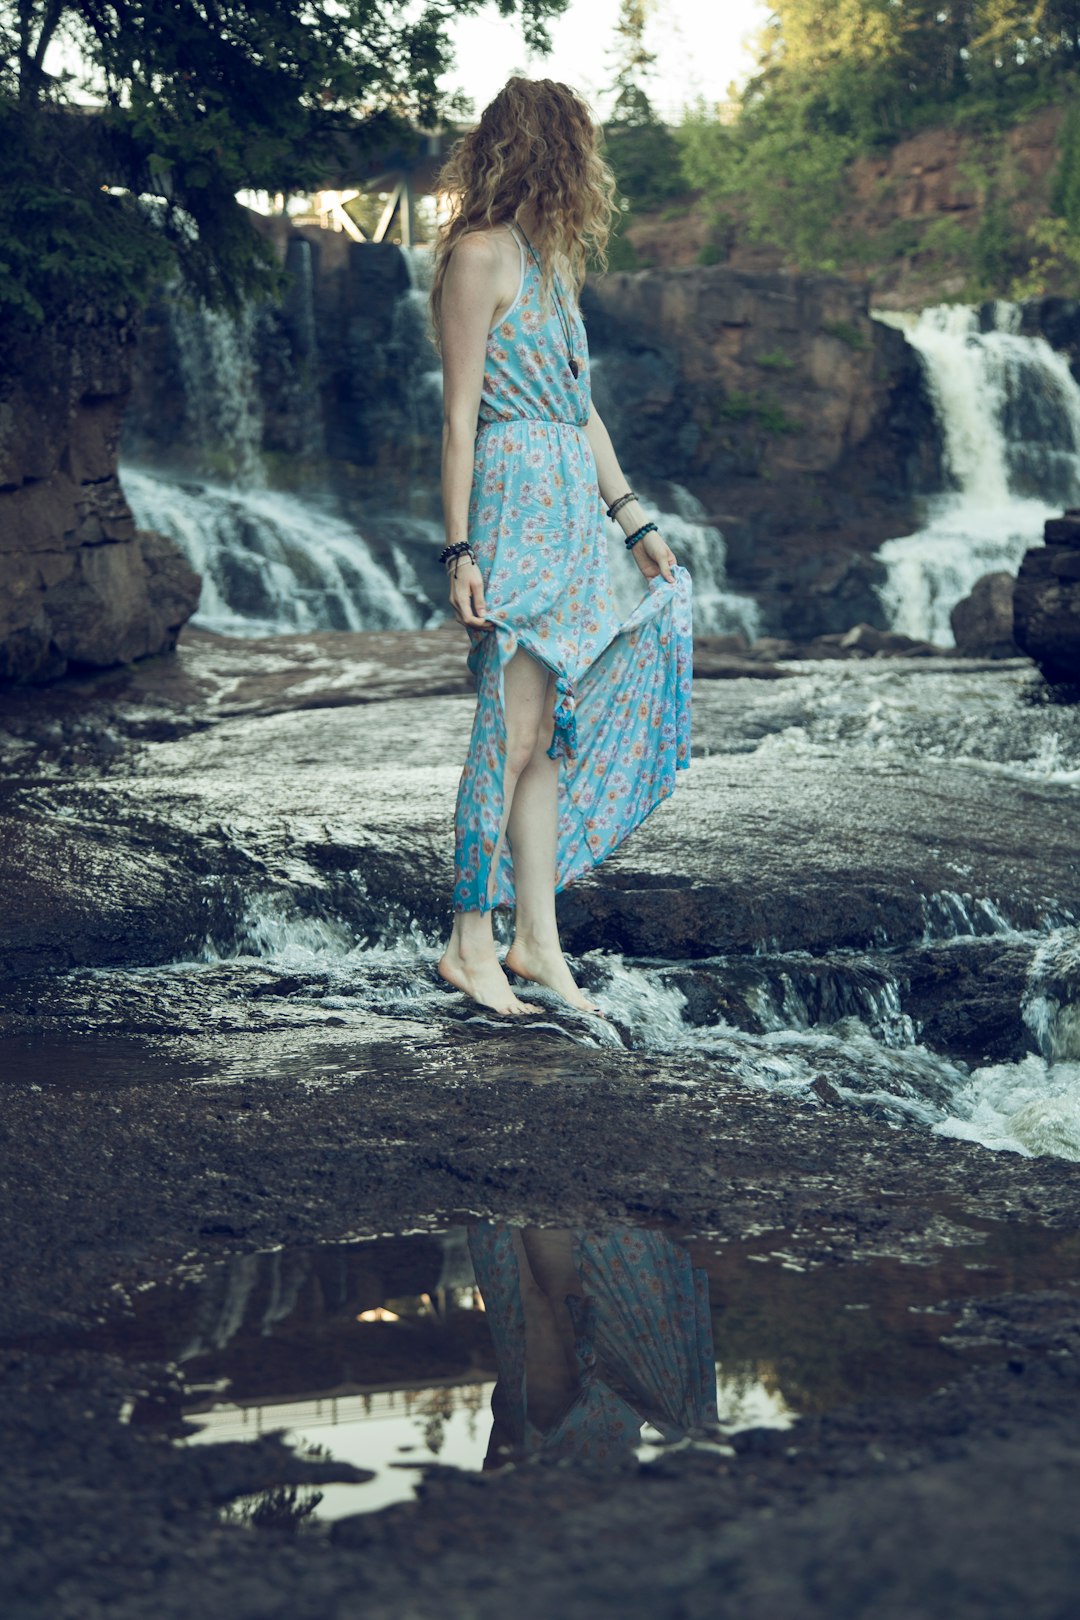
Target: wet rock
{"type": "Point", "coordinates": [967, 998]}
{"type": "Point", "coordinates": [722, 658]}
{"type": "Point", "coordinates": [743, 861]}
{"type": "Point", "coordinates": [860, 641]}
{"type": "Point", "coordinates": [83, 895]}
{"type": "Point", "coordinates": [78, 584]}
{"type": "Point", "coordinates": [1046, 603]}
{"type": "Point", "coordinates": [982, 622]}
{"type": "Point", "coordinates": [288, 767]}
{"type": "Point", "coordinates": [867, 641]}
{"type": "Point", "coordinates": [964, 998]}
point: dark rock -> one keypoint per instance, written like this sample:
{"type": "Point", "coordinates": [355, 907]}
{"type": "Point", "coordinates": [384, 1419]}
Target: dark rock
{"type": "Point", "coordinates": [866, 640]}
{"type": "Point", "coordinates": [982, 622]}
{"type": "Point", "coordinates": [1046, 602]}
{"type": "Point", "coordinates": [78, 584]}
{"type": "Point", "coordinates": [728, 658]}
{"type": "Point", "coordinates": [784, 407]}
{"type": "Point", "coordinates": [967, 998]}
{"type": "Point", "coordinates": [92, 894]}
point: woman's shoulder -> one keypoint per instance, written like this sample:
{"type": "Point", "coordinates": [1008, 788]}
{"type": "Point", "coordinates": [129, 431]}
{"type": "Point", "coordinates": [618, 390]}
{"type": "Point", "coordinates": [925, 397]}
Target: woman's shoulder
{"type": "Point", "coordinates": [479, 259]}
{"type": "Point", "coordinates": [483, 242]}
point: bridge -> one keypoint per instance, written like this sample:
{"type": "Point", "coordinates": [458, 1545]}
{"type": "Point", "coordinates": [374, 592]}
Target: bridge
{"type": "Point", "coordinates": [400, 172]}
{"type": "Point", "coordinates": [399, 169]}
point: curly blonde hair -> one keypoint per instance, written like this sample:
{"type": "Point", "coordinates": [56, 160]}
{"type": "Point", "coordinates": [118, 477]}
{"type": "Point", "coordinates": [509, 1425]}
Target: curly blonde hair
{"type": "Point", "coordinates": [535, 143]}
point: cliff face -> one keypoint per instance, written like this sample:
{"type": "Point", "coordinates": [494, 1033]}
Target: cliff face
{"type": "Point", "coordinates": [801, 423]}
{"type": "Point", "coordinates": [912, 205]}
{"type": "Point", "coordinates": [335, 375]}
{"type": "Point", "coordinates": [79, 585]}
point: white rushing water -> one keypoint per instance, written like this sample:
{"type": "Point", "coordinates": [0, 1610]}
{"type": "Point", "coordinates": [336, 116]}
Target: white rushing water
{"type": "Point", "coordinates": [272, 562]}
{"type": "Point", "coordinates": [700, 547]}
{"type": "Point", "coordinates": [857, 1036]}
{"type": "Point", "coordinates": [1009, 412]}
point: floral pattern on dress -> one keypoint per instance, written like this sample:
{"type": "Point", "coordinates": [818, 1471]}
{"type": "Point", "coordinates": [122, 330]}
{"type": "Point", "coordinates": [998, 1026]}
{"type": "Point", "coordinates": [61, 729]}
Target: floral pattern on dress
{"type": "Point", "coordinates": [643, 1340]}
{"type": "Point", "coordinates": [622, 687]}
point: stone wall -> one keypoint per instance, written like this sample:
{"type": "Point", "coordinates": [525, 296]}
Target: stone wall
{"type": "Point", "coordinates": [79, 585]}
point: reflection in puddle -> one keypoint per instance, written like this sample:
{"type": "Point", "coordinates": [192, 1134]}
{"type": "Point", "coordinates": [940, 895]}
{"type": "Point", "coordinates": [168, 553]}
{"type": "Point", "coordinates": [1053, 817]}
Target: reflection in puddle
{"type": "Point", "coordinates": [487, 1344]}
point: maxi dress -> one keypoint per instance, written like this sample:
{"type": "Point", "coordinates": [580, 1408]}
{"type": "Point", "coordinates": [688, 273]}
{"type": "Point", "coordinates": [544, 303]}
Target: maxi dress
{"type": "Point", "coordinates": [537, 527]}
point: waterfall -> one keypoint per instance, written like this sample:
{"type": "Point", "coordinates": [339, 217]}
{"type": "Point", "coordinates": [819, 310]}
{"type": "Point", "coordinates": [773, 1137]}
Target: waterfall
{"type": "Point", "coordinates": [1009, 413]}
{"type": "Point", "coordinates": [273, 562]}
{"type": "Point", "coordinates": [270, 561]}
{"type": "Point", "coordinates": [700, 547]}
{"type": "Point", "coordinates": [223, 410]}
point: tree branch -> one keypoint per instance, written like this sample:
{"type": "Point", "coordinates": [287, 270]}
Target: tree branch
{"type": "Point", "coordinates": [53, 13]}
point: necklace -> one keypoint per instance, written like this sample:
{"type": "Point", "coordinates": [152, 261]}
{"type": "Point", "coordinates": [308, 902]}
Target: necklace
{"type": "Point", "coordinates": [563, 318]}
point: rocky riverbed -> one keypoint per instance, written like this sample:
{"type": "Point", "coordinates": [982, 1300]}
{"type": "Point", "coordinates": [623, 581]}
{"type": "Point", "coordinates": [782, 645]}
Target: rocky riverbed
{"type": "Point", "coordinates": [840, 1065]}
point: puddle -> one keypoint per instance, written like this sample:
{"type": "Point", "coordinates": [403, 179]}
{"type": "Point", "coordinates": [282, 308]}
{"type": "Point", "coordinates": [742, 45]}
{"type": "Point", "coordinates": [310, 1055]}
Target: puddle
{"type": "Point", "coordinates": [448, 1347]}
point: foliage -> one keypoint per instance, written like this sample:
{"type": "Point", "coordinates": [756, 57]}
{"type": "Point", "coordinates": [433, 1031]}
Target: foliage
{"type": "Point", "coordinates": [643, 153]}
{"type": "Point", "coordinates": [194, 102]}
{"type": "Point", "coordinates": [641, 150]}
{"type": "Point", "coordinates": [839, 79]}
{"type": "Point", "coordinates": [776, 360]}
{"type": "Point", "coordinates": [785, 175]}
{"type": "Point", "coordinates": [846, 332]}
{"type": "Point", "coordinates": [763, 409]}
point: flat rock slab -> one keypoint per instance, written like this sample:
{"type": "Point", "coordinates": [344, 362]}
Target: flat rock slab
{"type": "Point", "coordinates": [344, 814]}
{"type": "Point", "coordinates": [797, 855]}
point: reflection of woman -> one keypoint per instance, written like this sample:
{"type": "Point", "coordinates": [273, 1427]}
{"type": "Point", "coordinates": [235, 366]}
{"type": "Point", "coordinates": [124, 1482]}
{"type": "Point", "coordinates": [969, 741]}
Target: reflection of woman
{"type": "Point", "coordinates": [595, 1333]}
{"type": "Point", "coordinates": [582, 720]}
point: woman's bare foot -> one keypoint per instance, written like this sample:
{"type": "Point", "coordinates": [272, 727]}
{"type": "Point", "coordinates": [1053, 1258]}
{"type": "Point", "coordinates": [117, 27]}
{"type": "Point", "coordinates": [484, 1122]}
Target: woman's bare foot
{"type": "Point", "coordinates": [546, 964]}
{"type": "Point", "coordinates": [482, 978]}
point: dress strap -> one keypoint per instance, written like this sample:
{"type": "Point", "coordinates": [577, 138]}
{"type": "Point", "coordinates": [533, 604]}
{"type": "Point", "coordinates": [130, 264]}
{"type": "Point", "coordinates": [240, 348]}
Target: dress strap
{"type": "Point", "coordinates": [516, 234]}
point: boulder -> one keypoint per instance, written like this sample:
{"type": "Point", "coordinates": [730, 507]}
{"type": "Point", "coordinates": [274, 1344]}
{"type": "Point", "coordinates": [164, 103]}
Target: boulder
{"type": "Point", "coordinates": [982, 622]}
{"type": "Point", "coordinates": [79, 586]}
{"type": "Point", "coordinates": [867, 641]}
{"type": "Point", "coordinates": [1046, 601]}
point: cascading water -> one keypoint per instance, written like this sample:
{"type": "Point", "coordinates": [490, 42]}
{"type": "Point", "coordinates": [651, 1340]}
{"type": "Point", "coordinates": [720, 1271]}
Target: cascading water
{"type": "Point", "coordinates": [700, 547]}
{"type": "Point", "coordinates": [223, 411]}
{"type": "Point", "coordinates": [1009, 412]}
{"type": "Point", "coordinates": [272, 562]}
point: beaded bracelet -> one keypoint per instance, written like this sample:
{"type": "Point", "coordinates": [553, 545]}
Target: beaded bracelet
{"type": "Point", "coordinates": [639, 534]}
{"type": "Point", "coordinates": [617, 506]}
{"type": "Point", "coordinates": [460, 549]}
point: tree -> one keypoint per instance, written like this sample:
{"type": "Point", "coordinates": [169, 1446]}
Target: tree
{"type": "Point", "coordinates": [641, 149]}
{"type": "Point", "coordinates": [195, 100]}
{"type": "Point", "coordinates": [837, 79]}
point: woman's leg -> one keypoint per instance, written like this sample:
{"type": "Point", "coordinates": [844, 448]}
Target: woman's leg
{"type": "Point", "coordinates": [469, 961]}
{"type": "Point", "coordinates": [536, 952]}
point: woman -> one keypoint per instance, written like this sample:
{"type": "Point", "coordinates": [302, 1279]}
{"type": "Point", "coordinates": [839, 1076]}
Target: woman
{"type": "Point", "coordinates": [581, 720]}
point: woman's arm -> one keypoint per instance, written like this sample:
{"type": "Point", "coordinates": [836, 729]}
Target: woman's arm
{"type": "Point", "coordinates": [653, 555]}
{"type": "Point", "coordinates": [471, 294]}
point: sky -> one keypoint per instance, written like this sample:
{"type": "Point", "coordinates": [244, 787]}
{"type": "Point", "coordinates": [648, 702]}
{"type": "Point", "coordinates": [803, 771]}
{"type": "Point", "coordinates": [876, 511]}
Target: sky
{"type": "Point", "coordinates": [700, 47]}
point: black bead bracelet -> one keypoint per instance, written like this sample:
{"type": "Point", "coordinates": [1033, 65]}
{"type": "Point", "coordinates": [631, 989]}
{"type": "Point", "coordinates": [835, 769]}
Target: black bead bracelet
{"type": "Point", "coordinates": [639, 534]}
{"type": "Point", "coordinates": [452, 553]}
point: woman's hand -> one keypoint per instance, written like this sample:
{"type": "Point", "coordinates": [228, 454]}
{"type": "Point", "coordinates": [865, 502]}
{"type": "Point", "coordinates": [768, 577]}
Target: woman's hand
{"type": "Point", "coordinates": [467, 595]}
{"type": "Point", "coordinates": [654, 556]}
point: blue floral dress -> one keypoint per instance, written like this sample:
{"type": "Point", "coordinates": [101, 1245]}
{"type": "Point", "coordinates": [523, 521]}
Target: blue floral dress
{"type": "Point", "coordinates": [536, 524]}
